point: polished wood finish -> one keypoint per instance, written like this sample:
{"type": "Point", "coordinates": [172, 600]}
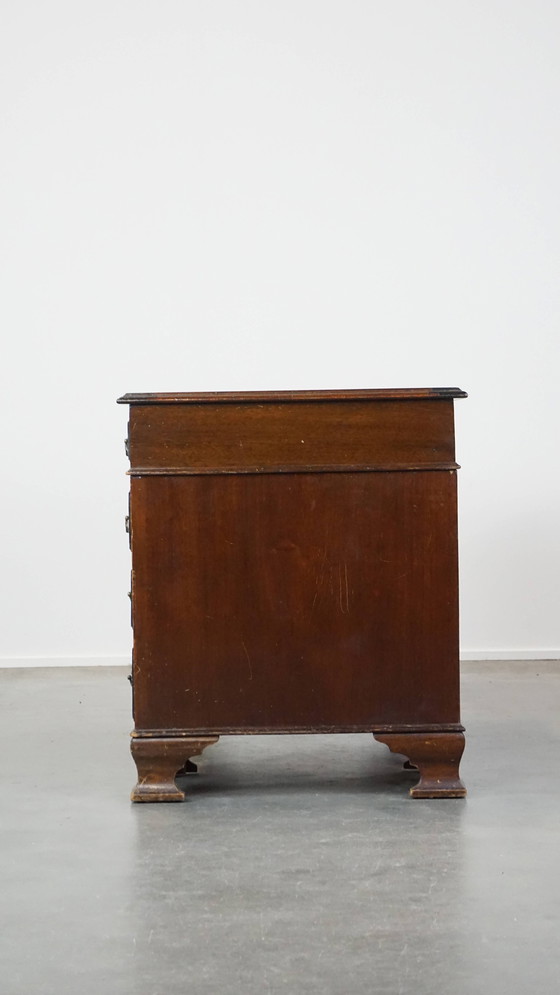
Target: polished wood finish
{"type": "Point", "coordinates": [294, 570]}
{"type": "Point", "coordinates": [252, 438]}
{"type": "Point", "coordinates": [278, 614]}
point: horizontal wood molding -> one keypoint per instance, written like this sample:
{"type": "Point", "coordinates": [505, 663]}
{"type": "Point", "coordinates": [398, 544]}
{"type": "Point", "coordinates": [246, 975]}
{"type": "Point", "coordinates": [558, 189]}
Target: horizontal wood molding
{"type": "Point", "coordinates": [285, 731]}
{"type": "Point", "coordinates": [162, 471]}
{"type": "Point", "coordinates": [275, 396]}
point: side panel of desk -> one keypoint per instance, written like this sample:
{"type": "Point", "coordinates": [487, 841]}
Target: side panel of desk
{"type": "Point", "coordinates": [278, 601]}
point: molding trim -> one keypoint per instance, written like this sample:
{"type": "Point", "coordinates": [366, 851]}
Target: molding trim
{"type": "Point", "coordinates": [263, 471]}
{"type": "Point", "coordinates": [125, 660]}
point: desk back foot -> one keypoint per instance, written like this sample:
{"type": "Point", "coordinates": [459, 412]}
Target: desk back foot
{"type": "Point", "coordinates": [159, 760]}
{"type": "Point", "coordinates": [436, 755]}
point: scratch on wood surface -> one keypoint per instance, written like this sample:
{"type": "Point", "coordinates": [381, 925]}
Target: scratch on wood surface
{"type": "Point", "coordinates": [343, 592]}
{"type": "Point", "coordinates": [248, 660]}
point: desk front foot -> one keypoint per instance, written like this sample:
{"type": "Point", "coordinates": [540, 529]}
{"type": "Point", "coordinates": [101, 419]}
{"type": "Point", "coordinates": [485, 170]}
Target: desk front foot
{"type": "Point", "coordinates": [159, 761]}
{"type": "Point", "coordinates": [436, 755]}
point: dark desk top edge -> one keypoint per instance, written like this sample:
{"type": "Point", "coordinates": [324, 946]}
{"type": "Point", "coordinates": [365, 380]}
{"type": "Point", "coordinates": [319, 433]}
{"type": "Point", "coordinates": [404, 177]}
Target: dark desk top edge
{"type": "Point", "coordinates": [277, 396]}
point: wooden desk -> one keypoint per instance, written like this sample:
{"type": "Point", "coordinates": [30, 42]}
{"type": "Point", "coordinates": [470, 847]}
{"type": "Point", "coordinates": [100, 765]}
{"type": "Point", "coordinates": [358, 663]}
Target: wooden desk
{"type": "Point", "coordinates": [294, 564]}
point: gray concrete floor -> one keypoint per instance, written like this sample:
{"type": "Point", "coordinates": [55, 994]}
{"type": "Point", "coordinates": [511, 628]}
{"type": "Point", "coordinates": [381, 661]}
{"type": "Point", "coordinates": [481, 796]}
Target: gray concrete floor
{"type": "Point", "coordinates": [300, 865]}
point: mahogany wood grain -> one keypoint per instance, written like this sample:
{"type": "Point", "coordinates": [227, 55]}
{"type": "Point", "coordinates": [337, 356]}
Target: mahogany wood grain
{"type": "Point", "coordinates": [270, 437]}
{"type": "Point", "coordinates": [294, 601]}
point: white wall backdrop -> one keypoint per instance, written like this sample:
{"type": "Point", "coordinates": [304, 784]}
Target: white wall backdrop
{"type": "Point", "coordinates": [252, 194]}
